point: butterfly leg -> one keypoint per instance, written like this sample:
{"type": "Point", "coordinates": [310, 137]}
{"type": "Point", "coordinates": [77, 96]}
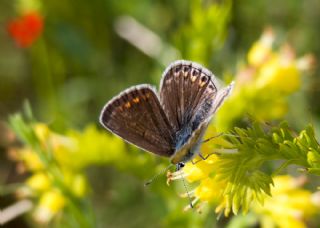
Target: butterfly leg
{"type": "Point", "coordinates": [203, 158]}
{"type": "Point", "coordinates": [220, 134]}
{"type": "Point", "coordinates": [216, 136]}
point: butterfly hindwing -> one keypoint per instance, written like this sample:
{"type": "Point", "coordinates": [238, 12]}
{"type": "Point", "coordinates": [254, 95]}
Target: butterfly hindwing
{"type": "Point", "coordinates": [186, 89]}
{"type": "Point", "coordinates": [209, 107]}
{"type": "Point", "coordinates": [137, 116]}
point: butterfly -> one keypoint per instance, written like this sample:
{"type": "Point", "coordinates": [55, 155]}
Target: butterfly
{"type": "Point", "coordinates": [172, 123]}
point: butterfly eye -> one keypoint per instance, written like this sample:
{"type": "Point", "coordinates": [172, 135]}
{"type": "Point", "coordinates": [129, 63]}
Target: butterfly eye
{"type": "Point", "coordinates": [180, 165]}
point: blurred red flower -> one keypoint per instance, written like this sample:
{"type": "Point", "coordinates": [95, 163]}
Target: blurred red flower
{"type": "Point", "coordinates": [26, 28]}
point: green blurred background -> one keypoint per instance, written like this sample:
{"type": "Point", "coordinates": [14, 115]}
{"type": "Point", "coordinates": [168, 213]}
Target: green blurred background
{"type": "Point", "coordinates": [82, 59]}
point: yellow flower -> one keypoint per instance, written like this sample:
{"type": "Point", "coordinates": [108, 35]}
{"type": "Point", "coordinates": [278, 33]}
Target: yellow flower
{"type": "Point", "coordinates": [42, 131]}
{"type": "Point", "coordinates": [76, 182]}
{"type": "Point", "coordinates": [31, 159]}
{"type": "Point", "coordinates": [39, 182]}
{"type": "Point", "coordinates": [76, 150]}
{"type": "Point", "coordinates": [209, 190]}
{"type": "Point", "coordinates": [79, 185]}
{"type": "Point", "coordinates": [200, 170]}
{"type": "Point", "coordinates": [23, 6]}
{"type": "Point", "coordinates": [279, 74]}
{"type": "Point", "coordinates": [261, 49]}
{"type": "Point", "coordinates": [289, 205]}
{"type": "Point", "coordinates": [49, 205]}
{"type": "Point", "coordinates": [264, 83]}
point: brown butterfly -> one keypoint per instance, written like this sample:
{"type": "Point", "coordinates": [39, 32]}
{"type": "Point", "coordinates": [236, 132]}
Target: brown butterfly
{"type": "Point", "coordinates": [172, 123]}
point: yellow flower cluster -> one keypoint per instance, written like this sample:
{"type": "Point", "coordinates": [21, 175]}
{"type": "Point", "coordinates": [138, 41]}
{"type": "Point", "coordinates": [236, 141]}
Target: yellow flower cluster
{"type": "Point", "coordinates": [56, 167]}
{"type": "Point", "coordinates": [264, 83]}
{"type": "Point", "coordinates": [290, 204]}
{"type": "Point", "coordinates": [231, 182]}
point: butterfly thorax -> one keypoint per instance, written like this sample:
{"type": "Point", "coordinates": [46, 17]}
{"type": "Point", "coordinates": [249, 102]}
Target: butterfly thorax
{"type": "Point", "coordinates": [187, 144]}
{"type": "Point", "coordinates": [182, 136]}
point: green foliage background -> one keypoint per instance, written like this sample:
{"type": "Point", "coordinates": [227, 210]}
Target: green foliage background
{"type": "Point", "coordinates": [80, 62]}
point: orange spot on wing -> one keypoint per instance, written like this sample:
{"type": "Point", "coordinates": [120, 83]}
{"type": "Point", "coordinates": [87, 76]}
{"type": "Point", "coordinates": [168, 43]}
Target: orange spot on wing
{"type": "Point", "coordinates": [136, 100]}
{"type": "Point", "coordinates": [127, 105]}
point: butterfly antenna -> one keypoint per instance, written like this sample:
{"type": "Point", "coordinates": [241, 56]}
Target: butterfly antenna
{"type": "Point", "coordinates": [188, 194]}
{"type": "Point", "coordinates": [157, 175]}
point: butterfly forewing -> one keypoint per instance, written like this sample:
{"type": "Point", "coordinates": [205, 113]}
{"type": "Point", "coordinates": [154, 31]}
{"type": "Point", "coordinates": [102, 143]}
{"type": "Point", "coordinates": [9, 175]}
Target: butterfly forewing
{"type": "Point", "coordinates": [137, 116]}
{"type": "Point", "coordinates": [185, 88]}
